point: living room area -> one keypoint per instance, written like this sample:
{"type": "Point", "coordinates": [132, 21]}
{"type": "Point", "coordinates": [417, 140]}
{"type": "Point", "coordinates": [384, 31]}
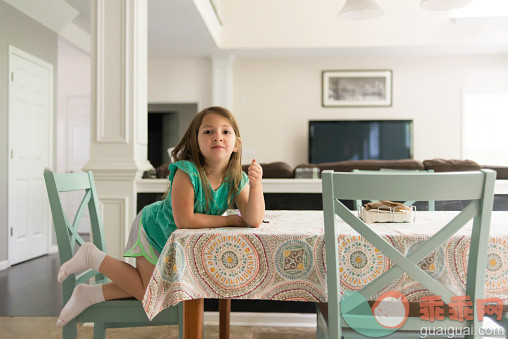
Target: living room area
{"type": "Point", "coordinates": [275, 92]}
{"type": "Point", "coordinates": [274, 65]}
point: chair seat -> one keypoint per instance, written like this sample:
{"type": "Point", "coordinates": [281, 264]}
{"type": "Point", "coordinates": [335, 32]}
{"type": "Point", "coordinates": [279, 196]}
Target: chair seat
{"type": "Point", "coordinates": [125, 310]}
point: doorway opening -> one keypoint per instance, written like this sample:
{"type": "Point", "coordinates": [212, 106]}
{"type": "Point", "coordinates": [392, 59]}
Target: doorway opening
{"type": "Point", "coordinates": [167, 123]}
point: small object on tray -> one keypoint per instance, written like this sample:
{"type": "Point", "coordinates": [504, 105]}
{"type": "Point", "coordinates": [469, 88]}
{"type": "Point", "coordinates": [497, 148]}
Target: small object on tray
{"type": "Point", "coordinates": [387, 211]}
{"type": "Point", "coordinates": [307, 173]}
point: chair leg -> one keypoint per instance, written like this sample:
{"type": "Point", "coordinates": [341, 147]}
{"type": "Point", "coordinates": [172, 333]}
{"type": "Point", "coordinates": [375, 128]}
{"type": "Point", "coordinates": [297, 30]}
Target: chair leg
{"type": "Point", "coordinates": [99, 330]}
{"type": "Point", "coordinates": [70, 331]}
{"type": "Point", "coordinates": [504, 323]}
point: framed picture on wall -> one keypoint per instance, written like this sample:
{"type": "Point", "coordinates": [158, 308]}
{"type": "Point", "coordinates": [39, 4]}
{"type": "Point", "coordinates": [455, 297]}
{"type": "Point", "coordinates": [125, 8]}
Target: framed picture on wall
{"type": "Point", "coordinates": [357, 88]}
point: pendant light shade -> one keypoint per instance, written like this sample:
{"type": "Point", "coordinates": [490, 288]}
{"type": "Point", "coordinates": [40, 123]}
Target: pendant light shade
{"type": "Point", "coordinates": [360, 10]}
{"type": "Point", "coordinates": [443, 5]}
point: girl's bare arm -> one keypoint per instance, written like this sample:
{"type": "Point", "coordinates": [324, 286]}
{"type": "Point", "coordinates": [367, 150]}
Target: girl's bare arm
{"type": "Point", "coordinates": [251, 200]}
{"type": "Point", "coordinates": [182, 203]}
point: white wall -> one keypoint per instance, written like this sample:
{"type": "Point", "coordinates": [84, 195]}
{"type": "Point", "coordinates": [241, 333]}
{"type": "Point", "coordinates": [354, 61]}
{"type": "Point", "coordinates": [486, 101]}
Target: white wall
{"type": "Point", "coordinates": [275, 98]}
{"type": "Point", "coordinates": [20, 31]}
{"type": "Point", "coordinates": [74, 73]}
{"type": "Point", "coordinates": [180, 81]}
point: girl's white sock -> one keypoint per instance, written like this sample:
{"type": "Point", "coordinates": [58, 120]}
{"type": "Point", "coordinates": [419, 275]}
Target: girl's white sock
{"type": "Point", "coordinates": [82, 297]}
{"type": "Point", "coordinates": [88, 256]}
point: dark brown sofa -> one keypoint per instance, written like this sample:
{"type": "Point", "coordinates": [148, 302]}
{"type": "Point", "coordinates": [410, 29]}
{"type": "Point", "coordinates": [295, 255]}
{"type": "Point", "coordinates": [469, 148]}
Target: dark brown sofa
{"type": "Point", "coordinates": [283, 170]}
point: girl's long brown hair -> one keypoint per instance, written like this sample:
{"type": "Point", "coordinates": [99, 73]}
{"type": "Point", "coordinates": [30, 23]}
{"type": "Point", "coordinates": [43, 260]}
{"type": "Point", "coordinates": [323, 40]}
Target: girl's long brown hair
{"type": "Point", "coordinates": [188, 149]}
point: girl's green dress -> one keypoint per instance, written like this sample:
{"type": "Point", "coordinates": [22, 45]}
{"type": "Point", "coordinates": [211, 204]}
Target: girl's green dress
{"type": "Point", "coordinates": [157, 222]}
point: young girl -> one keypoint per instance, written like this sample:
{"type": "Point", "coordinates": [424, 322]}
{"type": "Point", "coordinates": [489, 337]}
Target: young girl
{"type": "Point", "coordinates": [206, 179]}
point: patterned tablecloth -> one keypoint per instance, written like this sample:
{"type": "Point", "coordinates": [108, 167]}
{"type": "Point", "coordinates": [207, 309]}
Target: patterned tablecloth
{"type": "Point", "coordinates": [284, 259]}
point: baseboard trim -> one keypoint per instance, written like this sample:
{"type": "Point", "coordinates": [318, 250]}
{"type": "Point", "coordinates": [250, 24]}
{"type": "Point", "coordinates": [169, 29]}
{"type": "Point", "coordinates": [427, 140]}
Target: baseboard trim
{"type": "Point", "coordinates": [259, 319]}
{"type": "Point", "coordinates": [264, 319]}
{"type": "Point", "coordinates": [4, 264]}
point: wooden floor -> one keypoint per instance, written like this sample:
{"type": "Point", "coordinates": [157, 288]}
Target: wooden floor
{"type": "Point", "coordinates": [18, 327]}
{"type": "Point", "coordinates": [31, 299]}
{"type": "Point", "coordinates": [30, 289]}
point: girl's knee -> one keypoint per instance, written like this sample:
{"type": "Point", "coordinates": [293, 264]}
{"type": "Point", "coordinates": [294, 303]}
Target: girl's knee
{"type": "Point", "coordinates": [145, 270]}
{"type": "Point", "coordinates": [140, 296]}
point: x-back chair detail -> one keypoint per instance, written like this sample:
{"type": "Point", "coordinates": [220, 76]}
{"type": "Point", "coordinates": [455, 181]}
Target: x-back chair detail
{"type": "Point", "coordinates": [402, 186]}
{"type": "Point", "coordinates": [107, 314]}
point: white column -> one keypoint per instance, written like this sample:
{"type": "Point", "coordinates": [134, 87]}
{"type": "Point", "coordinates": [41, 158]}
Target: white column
{"type": "Point", "coordinates": [222, 93]}
{"type": "Point", "coordinates": [118, 145]}
{"type": "Point", "coordinates": [222, 81]}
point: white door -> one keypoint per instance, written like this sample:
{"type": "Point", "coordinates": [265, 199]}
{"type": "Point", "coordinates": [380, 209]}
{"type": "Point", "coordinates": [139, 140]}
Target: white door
{"type": "Point", "coordinates": [30, 131]}
{"type": "Point", "coordinates": [77, 152]}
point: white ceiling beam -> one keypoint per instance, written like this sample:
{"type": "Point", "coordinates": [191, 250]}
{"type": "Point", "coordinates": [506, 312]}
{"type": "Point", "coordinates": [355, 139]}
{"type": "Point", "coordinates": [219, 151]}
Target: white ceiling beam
{"type": "Point", "coordinates": [54, 14]}
{"type": "Point", "coordinates": [210, 17]}
{"type": "Point", "coordinates": [76, 36]}
{"type": "Point", "coordinates": [57, 15]}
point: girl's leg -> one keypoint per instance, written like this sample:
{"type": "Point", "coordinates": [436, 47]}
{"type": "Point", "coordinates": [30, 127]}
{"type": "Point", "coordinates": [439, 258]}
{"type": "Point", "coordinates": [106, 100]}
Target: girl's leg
{"type": "Point", "coordinates": [127, 282]}
{"type": "Point", "coordinates": [145, 269]}
{"type": "Point", "coordinates": [112, 291]}
{"type": "Point", "coordinates": [85, 295]}
{"type": "Point", "coordinates": [129, 279]}
{"type": "Point", "coordinates": [88, 256]}
{"type": "Point", "coordinates": [124, 275]}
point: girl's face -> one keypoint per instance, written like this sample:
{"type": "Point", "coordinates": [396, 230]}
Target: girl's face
{"type": "Point", "coordinates": [216, 139]}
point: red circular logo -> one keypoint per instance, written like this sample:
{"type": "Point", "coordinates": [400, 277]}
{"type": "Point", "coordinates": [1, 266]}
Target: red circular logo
{"type": "Point", "coordinates": [391, 309]}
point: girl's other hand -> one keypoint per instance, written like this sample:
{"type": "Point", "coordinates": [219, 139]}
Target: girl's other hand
{"type": "Point", "coordinates": [255, 173]}
{"type": "Point", "coordinates": [236, 220]}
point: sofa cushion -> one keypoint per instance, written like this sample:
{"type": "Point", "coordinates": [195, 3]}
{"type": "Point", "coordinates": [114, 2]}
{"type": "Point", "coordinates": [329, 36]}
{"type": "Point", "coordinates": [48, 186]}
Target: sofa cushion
{"type": "Point", "coordinates": [348, 166]}
{"type": "Point", "coordinates": [443, 165]}
{"type": "Point", "coordinates": [163, 171]}
{"type": "Point", "coordinates": [502, 171]}
{"type": "Point", "coordinates": [274, 170]}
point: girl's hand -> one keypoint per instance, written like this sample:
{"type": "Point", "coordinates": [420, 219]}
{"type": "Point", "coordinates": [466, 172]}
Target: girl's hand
{"type": "Point", "coordinates": [236, 220]}
{"type": "Point", "coordinates": [255, 173]}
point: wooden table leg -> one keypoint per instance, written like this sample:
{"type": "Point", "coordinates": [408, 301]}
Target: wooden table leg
{"type": "Point", "coordinates": [323, 307]}
{"type": "Point", "coordinates": [224, 317]}
{"type": "Point", "coordinates": [193, 319]}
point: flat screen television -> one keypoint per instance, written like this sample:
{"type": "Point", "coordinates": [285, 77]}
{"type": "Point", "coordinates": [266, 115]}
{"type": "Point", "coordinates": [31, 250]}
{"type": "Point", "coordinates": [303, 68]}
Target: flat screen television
{"type": "Point", "coordinates": [341, 140]}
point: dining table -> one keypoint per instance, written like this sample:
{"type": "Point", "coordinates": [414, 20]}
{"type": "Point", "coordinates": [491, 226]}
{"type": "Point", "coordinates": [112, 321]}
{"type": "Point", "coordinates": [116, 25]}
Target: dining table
{"type": "Point", "coordinates": [284, 260]}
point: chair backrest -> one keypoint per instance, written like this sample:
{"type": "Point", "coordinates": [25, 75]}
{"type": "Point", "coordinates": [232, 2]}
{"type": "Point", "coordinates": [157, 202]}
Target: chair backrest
{"type": "Point", "coordinates": [401, 186]}
{"type": "Point", "coordinates": [358, 203]}
{"type": "Point", "coordinates": [66, 232]}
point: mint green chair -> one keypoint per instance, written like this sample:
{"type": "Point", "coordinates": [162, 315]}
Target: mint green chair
{"type": "Point", "coordinates": [402, 186]}
{"type": "Point", "coordinates": [107, 314]}
{"type": "Point", "coordinates": [504, 320]}
{"type": "Point", "coordinates": [431, 203]}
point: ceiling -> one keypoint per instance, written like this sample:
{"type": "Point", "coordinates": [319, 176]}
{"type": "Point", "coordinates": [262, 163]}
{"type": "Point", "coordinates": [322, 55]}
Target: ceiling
{"type": "Point", "coordinates": [287, 28]}
{"type": "Point", "coordinates": [84, 9]}
{"type": "Point", "coordinates": [175, 28]}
